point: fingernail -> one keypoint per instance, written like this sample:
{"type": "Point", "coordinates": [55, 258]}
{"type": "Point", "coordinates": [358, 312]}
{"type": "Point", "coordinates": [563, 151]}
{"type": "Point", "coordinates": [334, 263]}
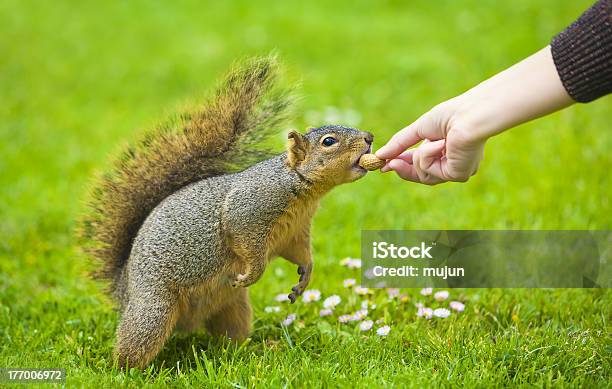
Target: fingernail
{"type": "Point", "coordinates": [380, 152]}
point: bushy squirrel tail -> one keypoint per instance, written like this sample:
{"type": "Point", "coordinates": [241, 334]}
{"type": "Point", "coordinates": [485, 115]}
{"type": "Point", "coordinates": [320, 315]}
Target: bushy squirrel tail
{"type": "Point", "coordinates": [222, 135]}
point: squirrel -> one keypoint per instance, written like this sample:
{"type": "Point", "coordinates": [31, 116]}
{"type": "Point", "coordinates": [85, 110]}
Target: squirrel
{"type": "Point", "coordinates": [181, 234]}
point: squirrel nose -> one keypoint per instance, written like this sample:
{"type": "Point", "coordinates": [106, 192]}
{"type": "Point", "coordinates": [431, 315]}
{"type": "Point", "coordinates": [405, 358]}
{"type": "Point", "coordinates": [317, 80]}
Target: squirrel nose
{"type": "Point", "coordinates": [368, 137]}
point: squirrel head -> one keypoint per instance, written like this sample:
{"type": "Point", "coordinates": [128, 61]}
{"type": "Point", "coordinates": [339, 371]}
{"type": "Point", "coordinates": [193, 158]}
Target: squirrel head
{"type": "Point", "coordinates": [328, 156]}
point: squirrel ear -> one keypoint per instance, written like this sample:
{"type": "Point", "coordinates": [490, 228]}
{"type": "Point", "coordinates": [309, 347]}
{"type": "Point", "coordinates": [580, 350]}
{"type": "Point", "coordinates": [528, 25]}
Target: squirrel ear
{"type": "Point", "coordinates": [296, 148]}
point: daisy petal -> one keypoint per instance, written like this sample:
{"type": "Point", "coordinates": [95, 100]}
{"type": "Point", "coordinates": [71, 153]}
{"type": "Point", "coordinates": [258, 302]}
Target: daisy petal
{"type": "Point", "coordinates": [366, 325]}
{"type": "Point", "coordinates": [427, 313]}
{"type": "Point", "coordinates": [441, 313]}
{"type": "Point", "coordinates": [289, 319]}
{"type": "Point", "coordinates": [332, 301]}
{"type": "Point", "coordinates": [311, 295]}
{"type": "Point", "coordinates": [281, 297]}
{"type": "Point", "coordinates": [441, 295]}
{"type": "Point", "coordinates": [426, 291]}
{"type": "Point", "coordinates": [362, 291]}
{"type": "Point", "coordinates": [383, 331]}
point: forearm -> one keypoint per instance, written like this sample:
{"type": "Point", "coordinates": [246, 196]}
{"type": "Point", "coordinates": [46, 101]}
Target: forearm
{"type": "Point", "coordinates": [525, 91]}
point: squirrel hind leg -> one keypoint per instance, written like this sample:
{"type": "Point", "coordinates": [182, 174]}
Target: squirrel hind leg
{"type": "Point", "coordinates": [233, 319]}
{"type": "Point", "coordinates": [144, 328]}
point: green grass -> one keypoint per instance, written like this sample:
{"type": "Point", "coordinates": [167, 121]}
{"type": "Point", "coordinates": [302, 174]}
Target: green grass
{"type": "Point", "coordinates": [77, 79]}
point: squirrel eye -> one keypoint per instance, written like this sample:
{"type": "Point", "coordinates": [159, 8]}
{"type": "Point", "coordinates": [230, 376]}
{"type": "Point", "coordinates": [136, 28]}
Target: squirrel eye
{"type": "Point", "coordinates": [329, 141]}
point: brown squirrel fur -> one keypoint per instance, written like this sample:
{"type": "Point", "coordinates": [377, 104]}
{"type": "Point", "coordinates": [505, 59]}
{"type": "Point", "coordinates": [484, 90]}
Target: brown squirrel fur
{"type": "Point", "coordinates": [180, 236]}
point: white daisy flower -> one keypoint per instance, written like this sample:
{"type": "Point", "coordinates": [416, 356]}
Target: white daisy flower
{"type": "Point", "coordinates": [349, 282]}
{"type": "Point", "coordinates": [332, 301]}
{"type": "Point", "coordinates": [289, 319]}
{"type": "Point", "coordinates": [393, 292]}
{"type": "Point", "coordinates": [441, 312]}
{"type": "Point", "coordinates": [365, 304]}
{"type": "Point", "coordinates": [383, 331]}
{"type": "Point", "coordinates": [311, 295]}
{"type": "Point", "coordinates": [426, 291]}
{"type": "Point", "coordinates": [344, 318]}
{"type": "Point", "coordinates": [281, 297]}
{"type": "Point", "coordinates": [345, 261]}
{"type": "Point", "coordinates": [441, 295]}
{"type": "Point", "coordinates": [360, 314]}
{"type": "Point", "coordinates": [354, 263]}
{"type": "Point", "coordinates": [325, 312]}
{"type": "Point", "coordinates": [362, 291]}
{"type": "Point", "coordinates": [271, 309]}
{"type": "Point", "coordinates": [457, 306]}
{"type": "Point", "coordinates": [366, 325]}
{"type": "Point", "coordinates": [427, 313]}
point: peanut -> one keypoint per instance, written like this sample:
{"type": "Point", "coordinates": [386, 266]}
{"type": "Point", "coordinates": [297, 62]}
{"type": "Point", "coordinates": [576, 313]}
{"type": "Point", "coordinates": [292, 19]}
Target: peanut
{"type": "Point", "coordinates": [371, 162]}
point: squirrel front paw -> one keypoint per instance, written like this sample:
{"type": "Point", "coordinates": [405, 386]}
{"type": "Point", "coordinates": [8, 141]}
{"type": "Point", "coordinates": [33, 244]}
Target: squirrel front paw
{"type": "Point", "coordinates": [297, 290]}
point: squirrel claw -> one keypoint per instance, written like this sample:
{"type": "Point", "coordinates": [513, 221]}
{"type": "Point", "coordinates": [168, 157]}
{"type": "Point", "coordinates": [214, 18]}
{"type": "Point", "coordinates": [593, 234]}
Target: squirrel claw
{"type": "Point", "coordinates": [297, 290]}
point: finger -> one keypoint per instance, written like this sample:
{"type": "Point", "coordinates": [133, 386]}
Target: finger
{"type": "Point", "coordinates": [427, 162]}
{"type": "Point", "coordinates": [404, 169]}
{"type": "Point", "coordinates": [430, 160]}
{"type": "Point", "coordinates": [416, 162]}
{"type": "Point", "coordinates": [399, 142]}
{"type": "Point", "coordinates": [405, 156]}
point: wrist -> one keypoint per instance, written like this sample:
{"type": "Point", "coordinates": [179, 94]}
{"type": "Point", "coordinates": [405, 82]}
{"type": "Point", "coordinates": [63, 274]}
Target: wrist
{"type": "Point", "coordinates": [523, 92]}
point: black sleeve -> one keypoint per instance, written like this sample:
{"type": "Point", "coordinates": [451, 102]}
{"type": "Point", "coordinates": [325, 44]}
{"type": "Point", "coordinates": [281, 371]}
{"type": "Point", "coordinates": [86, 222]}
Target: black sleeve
{"type": "Point", "coordinates": [583, 54]}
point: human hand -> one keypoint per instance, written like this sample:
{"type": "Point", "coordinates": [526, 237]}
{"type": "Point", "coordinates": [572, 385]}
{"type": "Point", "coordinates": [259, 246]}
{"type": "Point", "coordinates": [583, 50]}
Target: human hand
{"type": "Point", "coordinates": [449, 151]}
